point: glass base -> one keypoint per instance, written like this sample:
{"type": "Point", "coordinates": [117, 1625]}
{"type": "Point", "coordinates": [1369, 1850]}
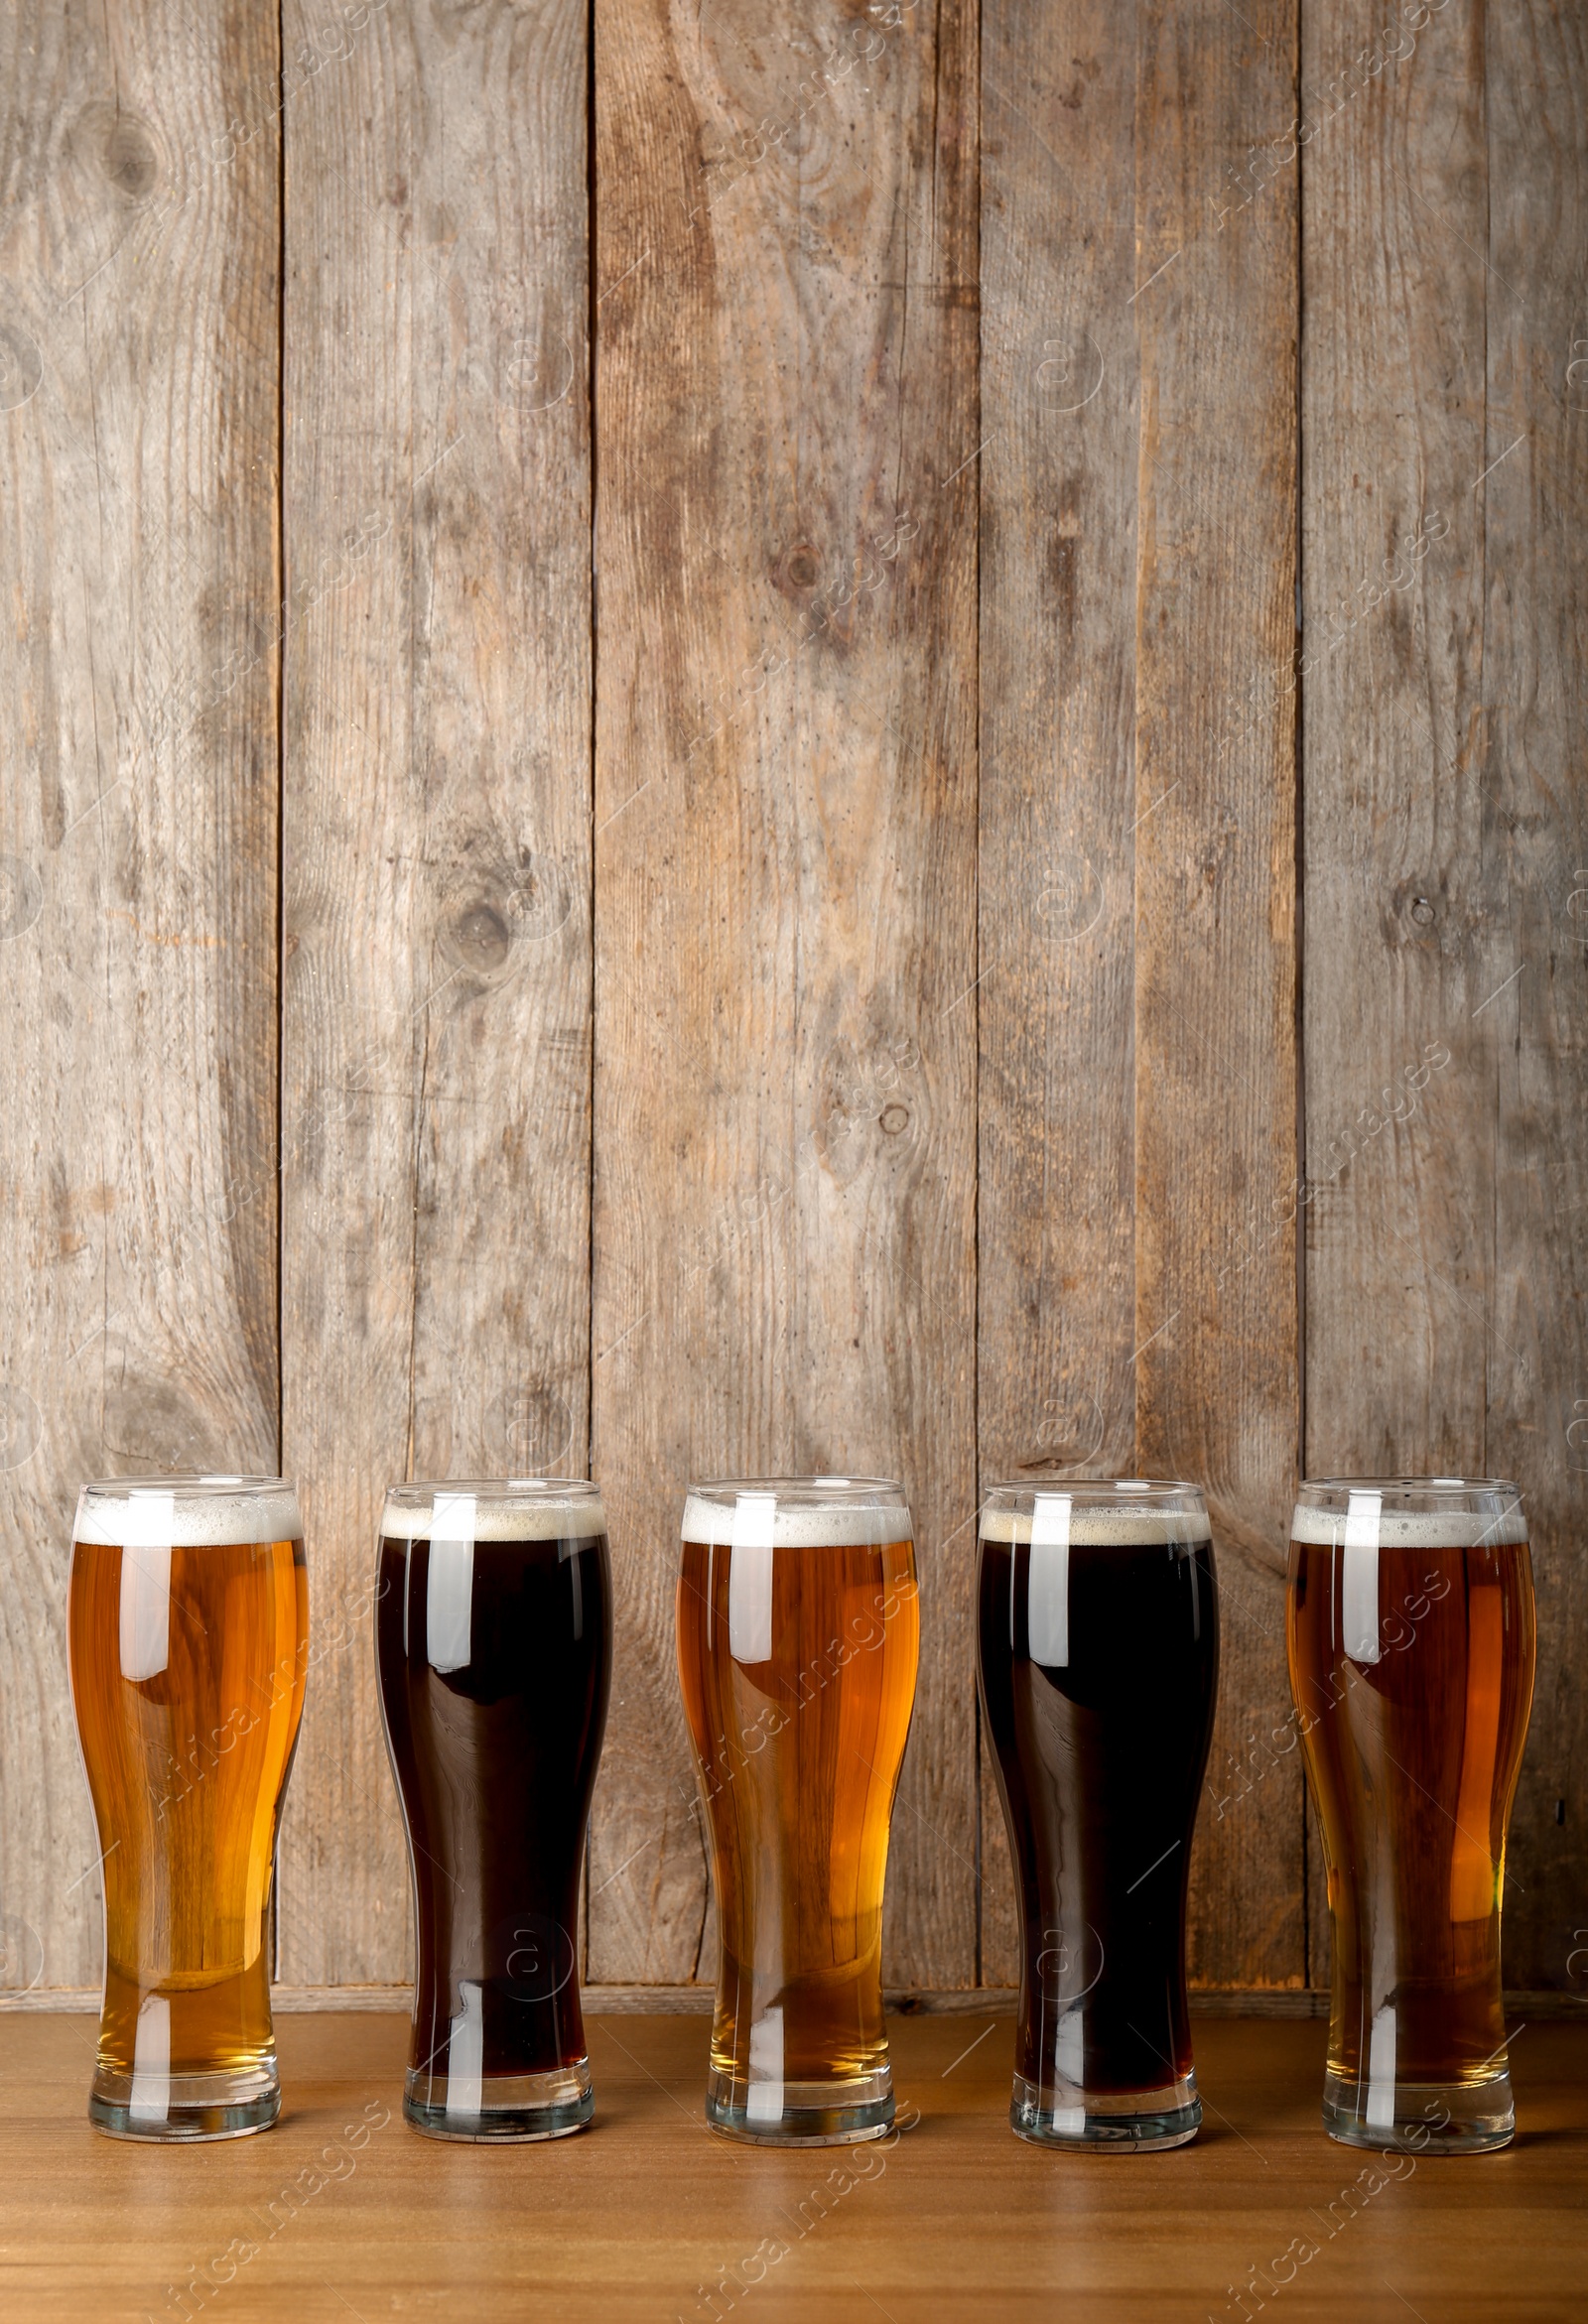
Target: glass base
{"type": "Point", "coordinates": [1107, 2121]}
{"type": "Point", "coordinates": [1423, 2117]}
{"type": "Point", "coordinates": [801, 2114]}
{"type": "Point", "coordinates": [183, 2107]}
{"type": "Point", "coordinates": [487, 2107]}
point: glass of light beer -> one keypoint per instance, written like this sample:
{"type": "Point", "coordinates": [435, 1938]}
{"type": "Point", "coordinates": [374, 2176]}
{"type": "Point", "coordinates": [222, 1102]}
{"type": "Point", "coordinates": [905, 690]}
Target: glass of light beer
{"type": "Point", "coordinates": [798, 1633]}
{"type": "Point", "coordinates": [189, 1625]}
{"type": "Point", "coordinates": [1098, 1663]}
{"type": "Point", "coordinates": [1410, 1628]}
{"type": "Point", "coordinates": [495, 1647]}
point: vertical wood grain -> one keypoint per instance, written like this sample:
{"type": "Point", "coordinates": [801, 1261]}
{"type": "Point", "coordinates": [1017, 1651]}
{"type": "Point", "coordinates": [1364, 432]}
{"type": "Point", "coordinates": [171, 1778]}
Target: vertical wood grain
{"type": "Point", "coordinates": [1404, 897]}
{"type": "Point", "coordinates": [1056, 1258]}
{"type": "Point", "coordinates": [138, 321]}
{"type": "Point", "coordinates": [785, 862]}
{"type": "Point", "coordinates": [1534, 768]}
{"type": "Point", "coordinates": [1215, 1303]}
{"type": "Point", "coordinates": [437, 840]}
{"type": "Point", "coordinates": [1400, 906]}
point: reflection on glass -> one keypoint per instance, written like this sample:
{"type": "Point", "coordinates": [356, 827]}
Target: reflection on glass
{"type": "Point", "coordinates": [189, 1620]}
{"type": "Point", "coordinates": [493, 1638]}
{"type": "Point", "coordinates": [1098, 1654]}
{"type": "Point", "coordinates": [1410, 1636]}
{"type": "Point", "coordinates": [797, 1641]}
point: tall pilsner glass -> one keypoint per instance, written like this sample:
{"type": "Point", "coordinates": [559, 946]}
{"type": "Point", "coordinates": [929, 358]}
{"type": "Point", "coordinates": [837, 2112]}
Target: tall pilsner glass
{"type": "Point", "coordinates": [1098, 1661]}
{"type": "Point", "coordinates": [494, 1645]}
{"type": "Point", "coordinates": [798, 1633]}
{"type": "Point", "coordinates": [1409, 1625]}
{"type": "Point", "coordinates": [189, 1623]}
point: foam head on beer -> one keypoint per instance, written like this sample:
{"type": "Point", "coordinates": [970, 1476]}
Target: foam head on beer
{"type": "Point", "coordinates": [520, 1509]}
{"type": "Point", "coordinates": [188, 1512]}
{"type": "Point", "coordinates": [767, 1517]}
{"type": "Point", "coordinates": [1409, 1528]}
{"type": "Point", "coordinates": [1133, 1520]}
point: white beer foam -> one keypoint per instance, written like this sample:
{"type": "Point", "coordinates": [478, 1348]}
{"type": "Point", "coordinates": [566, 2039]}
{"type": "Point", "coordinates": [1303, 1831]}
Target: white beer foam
{"type": "Point", "coordinates": [538, 1518]}
{"type": "Point", "coordinates": [178, 1521]}
{"type": "Point", "coordinates": [837, 1524]}
{"type": "Point", "coordinates": [1415, 1528]}
{"type": "Point", "coordinates": [1130, 1526]}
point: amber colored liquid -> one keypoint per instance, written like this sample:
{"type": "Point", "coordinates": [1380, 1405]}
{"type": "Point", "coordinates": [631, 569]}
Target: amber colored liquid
{"type": "Point", "coordinates": [1100, 1766]}
{"type": "Point", "coordinates": [1412, 1761]}
{"type": "Point", "coordinates": [187, 1772]}
{"type": "Point", "coordinates": [496, 1762]}
{"type": "Point", "coordinates": [799, 1760]}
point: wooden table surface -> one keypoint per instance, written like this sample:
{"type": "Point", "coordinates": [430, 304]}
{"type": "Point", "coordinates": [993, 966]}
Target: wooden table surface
{"type": "Point", "coordinates": [646, 2213]}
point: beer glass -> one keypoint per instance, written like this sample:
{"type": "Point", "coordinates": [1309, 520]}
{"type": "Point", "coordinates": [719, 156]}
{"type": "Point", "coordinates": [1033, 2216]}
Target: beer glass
{"type": "Point", "coordinates": [189, 1626]}
{"type": "Point", "coordinates": [1409, 1629]}
{"type": "Point", "coordinates": [798, 1632]}
{"type": "Point", "coordinates": [1097, 1661]}
{"type": "Point", "coordinates": [493, 1643]}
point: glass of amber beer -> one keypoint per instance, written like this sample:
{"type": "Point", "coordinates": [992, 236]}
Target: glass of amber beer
{"type": "Point", "coordinates": [189, 1624]}
{"type": "Point", "coordinates": [798, 1631]}
{"type": "Point", "coordinates": [494, 1645]}
{"type": "Point", "coordinates": [1409, 1627]}
{"type": "Point", "coordinates": [1098, 1663]}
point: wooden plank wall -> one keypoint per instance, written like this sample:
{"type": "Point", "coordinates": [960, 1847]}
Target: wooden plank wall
{"type": "Point", "coordinates": [1446, 461]}
{"type": "Point", "coordinates": [785, 770]}
{"type": "Point", "coordinates": [437, 843]}
{"type": "Point", "coordinates": [139, 246]}
{"type": "Point", "coordinates": [922, 656]}
{"type": "Point", "coordinates": [1137, 869]}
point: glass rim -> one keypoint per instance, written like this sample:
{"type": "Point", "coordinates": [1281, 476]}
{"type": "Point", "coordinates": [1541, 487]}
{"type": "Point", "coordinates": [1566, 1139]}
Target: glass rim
{"type": "Point", "coordinates": [496, 1488]}
{"type": "Point", "coordinates": [820, 1492]}
{"type": "Point", "coordinates": [1132, 1488]}
{"type": "Point", "coordinates": [1407, 1487]}
{"type": "Point", "coordinates": [188, 1486]}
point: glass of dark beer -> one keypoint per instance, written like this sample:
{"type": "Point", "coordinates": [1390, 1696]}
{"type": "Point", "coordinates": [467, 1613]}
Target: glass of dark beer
{"type": "Point", "coordinates": [493, 1640]}
{"type": "Point", "coordinates": [1410, 1628]}
{"type": "Point", "coordinates": [798, 1632]}
{"type": "Point", "coordinates": [189, 1624]}
{"type": "Point", "coordinates": [1098, 1662]}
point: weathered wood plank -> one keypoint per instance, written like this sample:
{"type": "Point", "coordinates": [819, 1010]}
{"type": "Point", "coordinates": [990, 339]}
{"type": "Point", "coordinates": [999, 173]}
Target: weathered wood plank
{"type": "Point", "coordinates": [1216, 1305]}
{"type": "Point", "coordinates": [436, 989]}
{"type": "Point", "coordinates": [1056, 1258]}
{"type": "Point", "coordinates": [138, 323]}
{"type": "Point", "coordinates": [1403, 910]}
{"type": "Point", "coordinates": [785, 862]}
{"type": "Point", "coordinates": [1532, 504]}
{"type": "Point", "coordinates": [1395, 904]}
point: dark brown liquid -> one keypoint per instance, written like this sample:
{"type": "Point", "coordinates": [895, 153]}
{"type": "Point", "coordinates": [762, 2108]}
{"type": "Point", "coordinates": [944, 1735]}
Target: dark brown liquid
{"type": "Point", "coordinates": [1100, 1764]}
{"type": "Point", "coordinates": [1413, 1761]}
{"type": "Point", "coordinates": [799, 1757]}
{"type": "Point", "coordinates": [495, 1761]}
{"type": "Point", "coordinates": [186, 1769]}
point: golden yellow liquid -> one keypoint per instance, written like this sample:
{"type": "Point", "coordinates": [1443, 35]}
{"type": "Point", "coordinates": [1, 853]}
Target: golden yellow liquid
{"type": "Point", "coordinates": [186, 1769]}
{"type": "Point", "coordinates": [799, 1759]}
